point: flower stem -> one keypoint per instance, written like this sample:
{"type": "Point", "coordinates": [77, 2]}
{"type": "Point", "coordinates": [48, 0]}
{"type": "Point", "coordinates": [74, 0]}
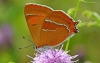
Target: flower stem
{"type": "Point", "coordinates": [76, 10]}
{"type": "Point", "coordinates": [67, 45]}
{"type": "Point", "coordinates": [77, 7]}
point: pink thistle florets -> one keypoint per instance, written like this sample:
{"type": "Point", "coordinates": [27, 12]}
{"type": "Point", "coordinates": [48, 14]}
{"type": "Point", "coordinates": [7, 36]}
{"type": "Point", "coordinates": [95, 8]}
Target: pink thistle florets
{"type": "Point", "coordinates": [53, 56]}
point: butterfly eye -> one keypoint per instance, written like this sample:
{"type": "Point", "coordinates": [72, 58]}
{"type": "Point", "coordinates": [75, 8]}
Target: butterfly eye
{"type": "Point", "coordinates": [36, 47]}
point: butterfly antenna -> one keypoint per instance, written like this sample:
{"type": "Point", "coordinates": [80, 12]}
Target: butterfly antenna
{"type": "Point", "coordinates": [29, 40]}
{"type": "Point", "coordinates": [26, 47]}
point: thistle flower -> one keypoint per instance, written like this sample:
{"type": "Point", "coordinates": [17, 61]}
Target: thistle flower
{"type": "Point", "coordinates": [53, 56]}
{"type": "Point", "coordinates": [5, 35]}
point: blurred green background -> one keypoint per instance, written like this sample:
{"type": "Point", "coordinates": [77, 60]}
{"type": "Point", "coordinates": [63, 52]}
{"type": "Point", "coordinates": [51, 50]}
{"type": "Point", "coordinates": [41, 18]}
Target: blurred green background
{"type": "Point", "coordinates": [13, 27]}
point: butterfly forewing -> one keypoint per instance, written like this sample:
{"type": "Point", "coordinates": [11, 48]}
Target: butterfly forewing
{"type": "Point", "coordinates": [35, 15]}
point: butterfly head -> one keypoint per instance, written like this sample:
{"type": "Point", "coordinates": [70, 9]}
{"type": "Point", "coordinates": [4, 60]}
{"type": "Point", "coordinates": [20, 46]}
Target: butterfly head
{"type": "Point", "coordinates": [44, 48]}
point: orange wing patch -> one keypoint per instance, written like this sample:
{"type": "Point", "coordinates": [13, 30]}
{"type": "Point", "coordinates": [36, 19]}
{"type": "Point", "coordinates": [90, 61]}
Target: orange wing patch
{"type": "Point", "coordinates": [48, 27]}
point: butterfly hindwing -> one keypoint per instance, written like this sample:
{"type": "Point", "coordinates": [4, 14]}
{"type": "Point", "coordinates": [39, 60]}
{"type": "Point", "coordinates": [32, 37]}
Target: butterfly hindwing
{"type": "Point", "coordinates": [56, 28]}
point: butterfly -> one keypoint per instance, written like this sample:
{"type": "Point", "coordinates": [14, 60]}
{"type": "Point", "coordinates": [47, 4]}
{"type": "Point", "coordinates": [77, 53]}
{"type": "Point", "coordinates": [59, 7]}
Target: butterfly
{"type": "Point", "coordinates": [48, 27]}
